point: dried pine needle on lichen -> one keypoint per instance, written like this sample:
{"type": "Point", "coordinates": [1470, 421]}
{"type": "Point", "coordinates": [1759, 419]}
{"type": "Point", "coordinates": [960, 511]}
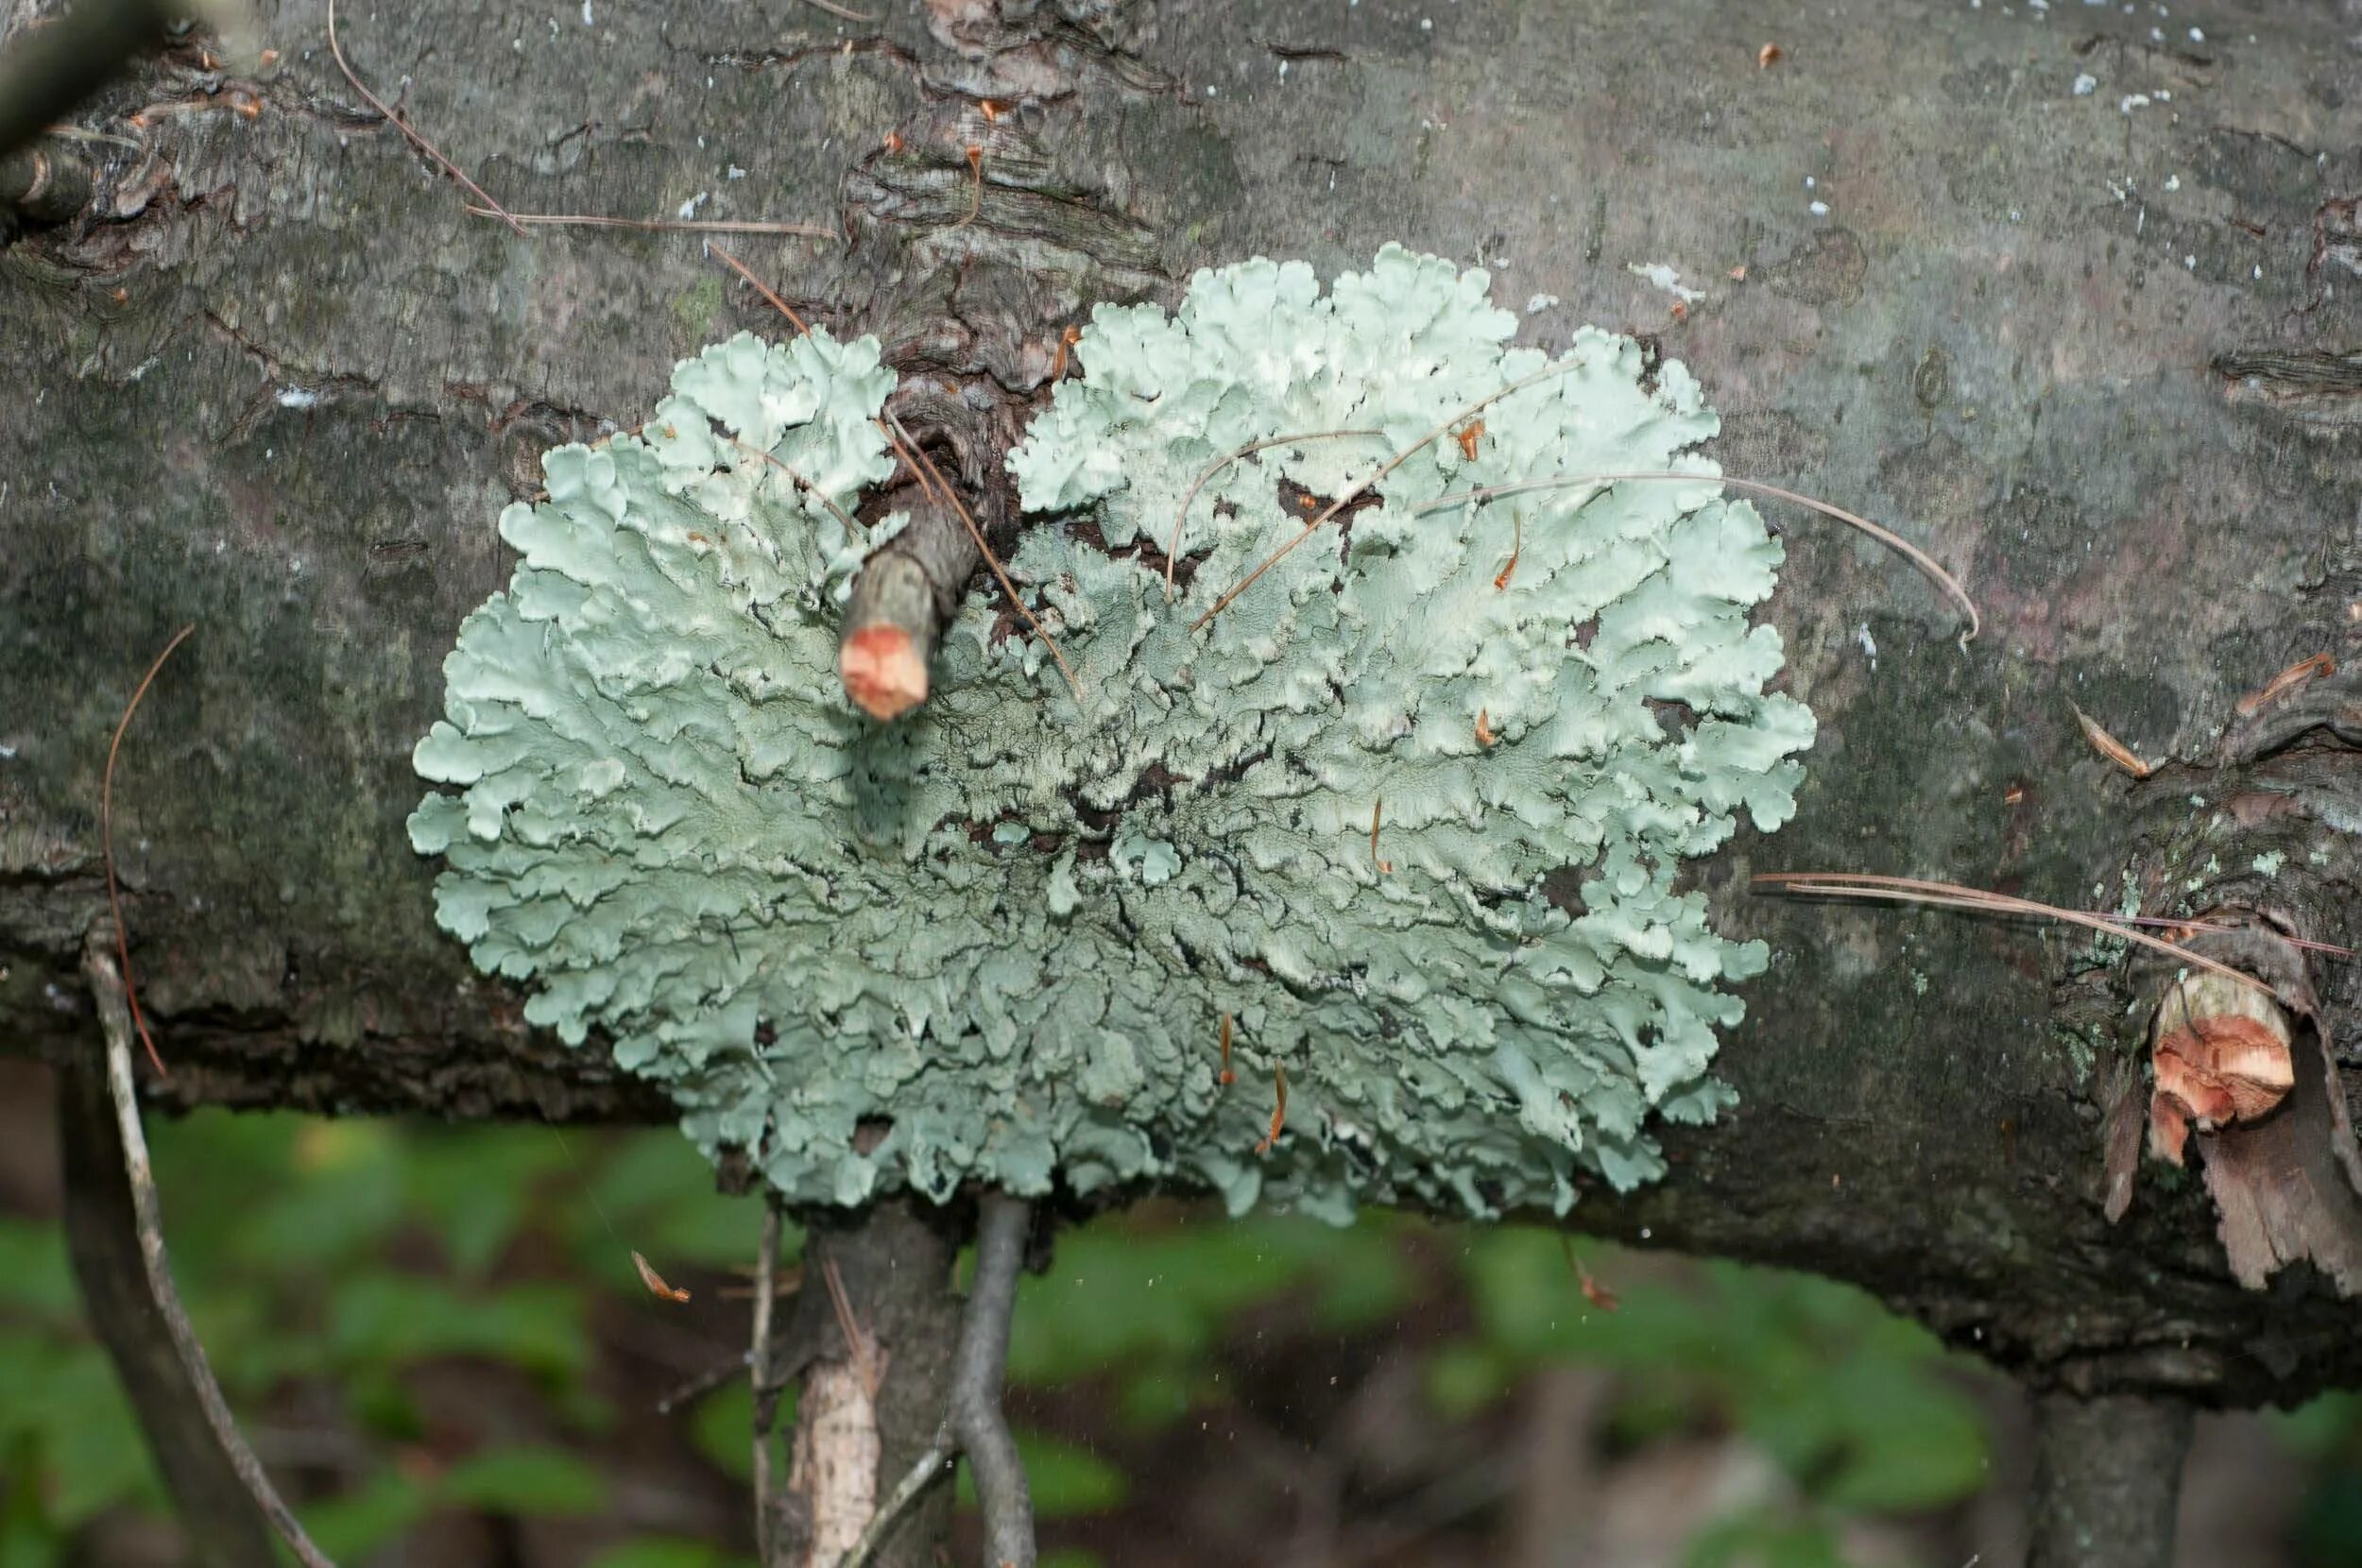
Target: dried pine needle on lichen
{"type": "Point", "coordinates": [1279, 1110]}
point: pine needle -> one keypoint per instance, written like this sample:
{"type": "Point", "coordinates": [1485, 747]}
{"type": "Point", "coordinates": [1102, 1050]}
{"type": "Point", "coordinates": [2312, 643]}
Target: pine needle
{"type": "Point", "coordinates": [490, 209]}
{"type": "Point", "coordinates": [1886, 536]}
{"type": "Point", "coordinates": [1172, 550]}
{"type": "Point", "coordinates": [1356, 489]}
{"type": "Point", "coordinates": [761, 288]}
{"type": "Point", "coordinates": [659, 225]}
{"type": "Point", "coordinates": [107, 846]}
{"type": "Point", "coordinates": [808, 487]}
{"type": "Point", "coordinates": [1951, 895]}
{"type": "Point", "coordinates": [924, 466]}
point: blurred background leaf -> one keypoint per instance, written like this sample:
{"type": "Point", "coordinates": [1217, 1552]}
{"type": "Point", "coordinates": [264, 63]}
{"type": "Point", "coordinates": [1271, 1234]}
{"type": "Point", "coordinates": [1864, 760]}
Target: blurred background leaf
{"type": "Point", "coordinates": [439, 1342]}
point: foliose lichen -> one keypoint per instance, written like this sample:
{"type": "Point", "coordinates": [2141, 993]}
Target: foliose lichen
{"type": "Point", "coordinates": [996, 939]}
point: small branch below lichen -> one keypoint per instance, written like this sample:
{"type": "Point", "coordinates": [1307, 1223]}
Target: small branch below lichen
{"type": "Point", "coordinates": [114, 1016]}
{"type": "Point", "coordinates": [767, 1406]}
{"type": "Point", "coordinates": [103, 1237]}
{"type": "Point", "coordinates": [978, 1374]}
{"type": "Point", "coordinates": [974, 1425]}
{"type": "Point", "coordinates": [2107, 1473]}
{"type": "Point", "coordinates": [904, 597]}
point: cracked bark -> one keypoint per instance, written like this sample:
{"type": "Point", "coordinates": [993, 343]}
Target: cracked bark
{"type": "Point", "coordinates": [2071, 399]}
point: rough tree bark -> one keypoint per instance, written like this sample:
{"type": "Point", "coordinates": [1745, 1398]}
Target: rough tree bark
{"type": "Point", "coordinates": [2079, 314]}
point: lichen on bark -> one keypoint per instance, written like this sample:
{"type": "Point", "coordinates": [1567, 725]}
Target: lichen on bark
{"type": "Point", "coordinates": [994, 940]}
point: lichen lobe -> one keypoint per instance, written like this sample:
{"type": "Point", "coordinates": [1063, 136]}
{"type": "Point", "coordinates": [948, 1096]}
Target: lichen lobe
{"type": "Point", "coordinates": [1006, 928]}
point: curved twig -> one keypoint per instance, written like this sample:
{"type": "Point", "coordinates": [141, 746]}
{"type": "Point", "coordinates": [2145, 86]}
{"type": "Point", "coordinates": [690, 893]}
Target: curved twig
{"type": "Point", "coordinates": [1181, 518]}
{"type": "Point", "coordinates": [106, 986]}
{"type": "Point", "coordinates": [107, 846]}
{"type": "Point", "coordinates": [974, 1425]}
{"type": "Point", "coordinates": [1883, 534]}
{"type": "Point", "coordinates": [1381, 471]}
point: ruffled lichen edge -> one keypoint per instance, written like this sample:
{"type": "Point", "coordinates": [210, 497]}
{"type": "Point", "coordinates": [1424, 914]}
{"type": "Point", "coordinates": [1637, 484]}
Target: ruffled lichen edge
{"type": "Point", "coordinates": [995, 941]}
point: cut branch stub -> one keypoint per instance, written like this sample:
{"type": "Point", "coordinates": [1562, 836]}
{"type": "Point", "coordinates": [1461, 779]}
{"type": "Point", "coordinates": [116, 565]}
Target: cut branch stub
{"type": "Point", "coordinates": [900, 602]}
{"type": "Point", "coordinates": [2257, 1083]}
{"type": "Point", "coordinates": [2222, 1053]}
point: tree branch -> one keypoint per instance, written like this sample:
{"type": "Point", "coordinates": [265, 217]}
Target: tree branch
{"type": "Point", "coordinates": [103, 1236]}
{"type": "Point", "coordinates": [974, 1425]}
{"type": "Point", "coordinates": [977, 1377]}
{"type": "Point", "coordinates": [2107, 1476]}
{"type": "Point", "coordinates": [904, 596]}
{"type": "Point", "coordinates": [114, 1017]}
{"type": "Point", "coordinates": [766, 1404]}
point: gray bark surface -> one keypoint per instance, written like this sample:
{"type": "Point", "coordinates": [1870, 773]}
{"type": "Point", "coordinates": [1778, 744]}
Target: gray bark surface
{"type": "Point", "coordinates": [2107, 1472]}
{"type": "Point", "coordinates": [2094, 354]}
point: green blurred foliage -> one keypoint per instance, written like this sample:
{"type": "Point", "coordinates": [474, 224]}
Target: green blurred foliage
{"type": "Point", "coordinates": [357, 1260]}
{"type": "Point", "coordinates": [2326, 1436]}
{"type": "Point", "coordinates": [347, 1255]}
{"type": "Point", "coordinates": [1865, 1410]}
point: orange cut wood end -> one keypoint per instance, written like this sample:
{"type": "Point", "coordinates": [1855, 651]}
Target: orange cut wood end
{"type": "Point", "coordinates": [882, 671]}
{"type": "Point", "coordinates": [2225, 1067]}
{"type": "Point", "coordinates": [2168, 1128]}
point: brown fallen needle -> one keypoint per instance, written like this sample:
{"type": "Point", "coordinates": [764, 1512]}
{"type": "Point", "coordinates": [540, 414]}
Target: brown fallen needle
{"type": "Point", "coordinates": [1886, 536]}
{"type": "Point", "coordinates": [1912, 890]}
{"type": "Point", "coordinates": [107, 846]}
{"type": "Point", "coordinates": [2110, 747]}
{"type": "Point", "coordinates": [1360, 486]}
{"type": "Point", "coordinates": [490, 208]}
{"type": "Point", "coordinates": [925, 467]}
{"type": "Point", "coordinates": [659, 225]}
{"type": "Point", "coordinates": [761, 288]}
{"type": "Point", "coordinates": [1278, 1111]}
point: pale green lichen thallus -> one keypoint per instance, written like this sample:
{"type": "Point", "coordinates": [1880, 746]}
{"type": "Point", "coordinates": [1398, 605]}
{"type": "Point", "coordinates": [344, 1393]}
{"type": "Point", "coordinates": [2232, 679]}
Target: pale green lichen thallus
{"type": "Point", "coordinates": [994, 940]}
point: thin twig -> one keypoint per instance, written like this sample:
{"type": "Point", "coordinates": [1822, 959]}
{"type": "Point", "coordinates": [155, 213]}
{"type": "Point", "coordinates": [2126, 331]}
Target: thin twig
{"type": "Point", "coordinates": [847, 12]}
{"type": "Point", "coordinates": [705, 1382]}
{"type": "Point", "coordinates": [911, 452]}
{"type": "Point", "coordinates": [490, 208]}
{"type": "Point", "coordinates": [1384, 468]}
{"type": "Point", "coordinates": [1886, 536]}
{"type": "Point", "coordinates": [659, 225]}
{"type": "Point", "coordinates": [1180, 518]}
{"type": "Point", "coordinates": [809, 487]}
{"type": "Point", "coordinates": [1950, 896]}
{"type": "Point", "coordinates": [108, 987]}
{"type": "Point", "coordinates": [974, 1425]}
{"type": "Point", "coordinates": [766, 1393]}
{"type": "Point", "coordinates": [107, 846]}
{"type": "Point", "coordinates": [761, 288]}
{"type": "Point", "coordinates": [932, 1466]}
{"type": "Point", "coordinates": [977, 1377]}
